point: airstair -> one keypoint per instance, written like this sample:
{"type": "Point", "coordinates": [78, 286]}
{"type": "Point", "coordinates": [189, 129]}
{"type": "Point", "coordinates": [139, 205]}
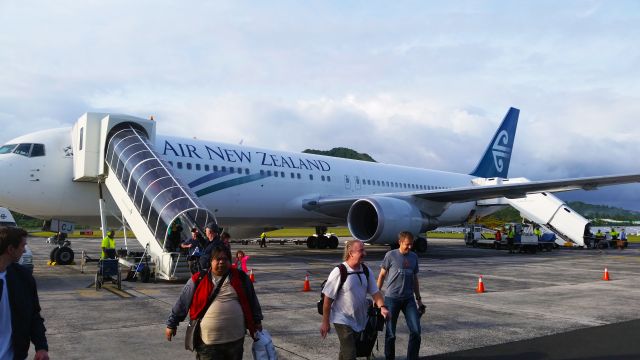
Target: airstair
{"type": "Point", "coordinates": [544, 209]}
{"type": "Point", "coordinates": [146, 191]}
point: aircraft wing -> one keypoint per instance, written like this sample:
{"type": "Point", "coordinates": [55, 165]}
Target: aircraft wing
{"type": "Point", "coordinates": [509, 188]}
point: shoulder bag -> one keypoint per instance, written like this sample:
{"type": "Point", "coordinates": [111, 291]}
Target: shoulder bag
{"type": "Point", "coordinates": [193, 329]}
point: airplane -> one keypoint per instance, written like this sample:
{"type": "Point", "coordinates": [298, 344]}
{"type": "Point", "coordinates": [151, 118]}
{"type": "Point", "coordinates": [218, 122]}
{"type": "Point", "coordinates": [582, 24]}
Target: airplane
{"type": "Point", "coordinates": [248, 189]}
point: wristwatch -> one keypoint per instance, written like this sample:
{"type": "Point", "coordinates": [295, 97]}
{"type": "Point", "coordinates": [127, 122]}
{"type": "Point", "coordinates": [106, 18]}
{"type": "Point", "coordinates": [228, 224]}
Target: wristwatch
{"type": "Point", "coordinates": [418, 298]}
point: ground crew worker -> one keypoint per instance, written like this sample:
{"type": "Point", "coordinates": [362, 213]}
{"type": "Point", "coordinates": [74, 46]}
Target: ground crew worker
{"type": "Point", "coordinates": [614, 234]}
{"type": "Point", "coordinates": [263, 240]}
{"type": "Point", "coordinates": [537, 232]}
{"type": "Point", "coordinates": [108, 243]}
{"type": "Point", "coordinates": [511, 237]}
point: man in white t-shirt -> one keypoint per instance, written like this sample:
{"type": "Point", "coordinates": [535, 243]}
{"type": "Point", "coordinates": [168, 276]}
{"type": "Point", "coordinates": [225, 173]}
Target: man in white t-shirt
{"type": "Point", "coordinates": [347, 307]}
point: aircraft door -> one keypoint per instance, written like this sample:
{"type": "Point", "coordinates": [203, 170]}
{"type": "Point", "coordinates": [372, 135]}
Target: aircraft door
{"type": "Point", "coordinates": [357, 182]}
{"type": "Point", "coordinates": [347, 182]}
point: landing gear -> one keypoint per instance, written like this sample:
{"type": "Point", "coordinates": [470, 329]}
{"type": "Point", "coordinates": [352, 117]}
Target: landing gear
{"type": "Point", "coordinates": [322, 240]}
{"type": "Point", "coordinates": [420, 245]}
{"type": "Point", "coordinates": [64, 256]}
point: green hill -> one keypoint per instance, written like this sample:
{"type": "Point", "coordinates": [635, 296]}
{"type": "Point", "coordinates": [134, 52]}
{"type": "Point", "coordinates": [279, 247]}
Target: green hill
{"type": "Point", "coordinates": [342, 152]}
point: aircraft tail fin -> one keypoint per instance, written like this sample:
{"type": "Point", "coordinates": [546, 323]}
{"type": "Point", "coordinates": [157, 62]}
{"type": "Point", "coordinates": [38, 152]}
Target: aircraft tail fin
{"type": "Point", "coordinates": [496, 158]}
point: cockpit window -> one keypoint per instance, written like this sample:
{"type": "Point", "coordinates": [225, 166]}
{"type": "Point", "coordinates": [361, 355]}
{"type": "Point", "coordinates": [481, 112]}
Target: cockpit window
{"type": "Point", "coordinates": [28, 150]}
{"type": "Point", "coordinates": [37, 150]}
{"type": "Point", "coordinates": [5, 149]}
{"type": "Point", "coordinates": [23, 149]}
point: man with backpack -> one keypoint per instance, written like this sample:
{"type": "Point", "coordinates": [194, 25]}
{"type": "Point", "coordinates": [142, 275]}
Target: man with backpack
{"type": "Point", "coordinates": [401, 292]}
{"type": "Point", "coordinates": [345, 302]}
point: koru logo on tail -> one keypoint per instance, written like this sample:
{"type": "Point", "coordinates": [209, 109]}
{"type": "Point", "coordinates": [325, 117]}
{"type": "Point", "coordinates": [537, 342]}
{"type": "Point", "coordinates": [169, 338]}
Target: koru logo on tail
{"type": "Point", "coordinates": [500, 150]}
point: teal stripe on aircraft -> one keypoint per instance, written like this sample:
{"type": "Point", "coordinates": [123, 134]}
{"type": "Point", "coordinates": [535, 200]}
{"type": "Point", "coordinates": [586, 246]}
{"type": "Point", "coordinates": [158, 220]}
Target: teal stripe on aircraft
{"type": "Point", "coordinates": [229, 183]}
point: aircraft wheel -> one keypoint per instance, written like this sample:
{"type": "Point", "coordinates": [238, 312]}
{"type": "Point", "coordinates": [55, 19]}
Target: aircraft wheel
{"type": "Point", "coordinates": [421, 245]}
{"type": "Point", "coordinates": [333, 242]}
{"type": "Point", "coordinates": [312, 242]}
{"type": "Point", "coordinates": [64, 256]}
{"type": "Point", "coordinates": [323, 242]}
{"type": "Point", "coordinates": [52, 254]}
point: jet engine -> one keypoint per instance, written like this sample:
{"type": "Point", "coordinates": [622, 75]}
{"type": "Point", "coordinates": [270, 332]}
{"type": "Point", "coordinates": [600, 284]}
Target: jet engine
{"type": "Point", "coordinates": [380, 219]}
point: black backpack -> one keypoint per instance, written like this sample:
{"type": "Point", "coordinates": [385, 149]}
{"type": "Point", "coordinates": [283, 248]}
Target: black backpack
{"type": "Point", "coordinates": [343, 278]}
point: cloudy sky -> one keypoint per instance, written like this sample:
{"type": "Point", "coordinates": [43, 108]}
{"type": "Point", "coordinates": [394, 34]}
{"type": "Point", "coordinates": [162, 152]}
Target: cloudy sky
{"type": "Point", "coordinates": [417, 83]}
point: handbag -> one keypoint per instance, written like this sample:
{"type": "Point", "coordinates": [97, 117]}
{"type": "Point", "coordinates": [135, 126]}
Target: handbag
{"type": "Point", "coordinates": [193, 329]}
{"type": "Point", "coordinates": [263, 348]}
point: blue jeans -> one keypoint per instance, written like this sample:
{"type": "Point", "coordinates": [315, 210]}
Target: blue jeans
{"type": "Point", "coordinates": [410, 311]}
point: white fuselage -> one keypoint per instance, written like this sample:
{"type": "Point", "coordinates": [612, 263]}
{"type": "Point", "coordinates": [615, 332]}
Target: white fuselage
{"type": "Point", "coordinates": [43, 187]}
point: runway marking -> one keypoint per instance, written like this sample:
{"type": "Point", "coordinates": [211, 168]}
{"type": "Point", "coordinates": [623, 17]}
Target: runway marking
{"type": "Point", "coordinates": [90, 293]}
{"type": "Point", "coordinates": [114, 289]}
{"type": "Point", "coordinates": [149, 291]}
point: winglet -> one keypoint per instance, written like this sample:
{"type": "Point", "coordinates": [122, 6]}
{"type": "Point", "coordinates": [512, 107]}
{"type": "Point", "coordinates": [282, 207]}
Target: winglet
{"type": "Point", "coordinates": [495, 161]}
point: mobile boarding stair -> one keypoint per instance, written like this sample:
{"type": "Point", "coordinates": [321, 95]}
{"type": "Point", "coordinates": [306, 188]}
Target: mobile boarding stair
{"type": "Point", "coordinates": [544, 209]}
{"type": "Point", "coordinates": [118, 150]}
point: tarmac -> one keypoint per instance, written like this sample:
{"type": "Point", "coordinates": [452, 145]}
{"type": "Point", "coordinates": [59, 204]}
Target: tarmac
{"type": "Point", "coordinates": [550, 305]}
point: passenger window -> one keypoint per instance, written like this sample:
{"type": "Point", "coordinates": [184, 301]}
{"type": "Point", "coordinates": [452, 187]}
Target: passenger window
{"type": "Point", "coordinates": [293, 175]}
{"type": "Point", "coordinates": [23, 149]}
{"type": "Point", "coordinates": [179, 164]}
{"type": "Point", "coordinates": [188, 166]}
{"type": "Point", "coordinates": [328, 178]}
{"type": "Point", "coordinates": [37, 150]}
{"type": "Point", "coordinates": [281, 173]}
{"type": "Point", "coordinates": [198, 167]}
{"type": "Point", "coordinates": [261, 172]}
{"type": "Point", "coordinates": [322, 177]}
{"type": "Point", "coordinates": [246, 171]}
{"type": "Point", "coordinates": [232, 170]}
{"type": "Point", "coordinates": [298, 175]}
{"type": "Point", "coordinates": [310, 176]}
{"type": "Point", "coordinates": [275, 173]}
{"type": "Point", "coordinates": [215, 167]}
{"type": "Point", "coordinates": [268, 172]}
{"type": "Point", "coordinates": [223, 169]}
{"type": "Point", "coordinates": [206, 167]}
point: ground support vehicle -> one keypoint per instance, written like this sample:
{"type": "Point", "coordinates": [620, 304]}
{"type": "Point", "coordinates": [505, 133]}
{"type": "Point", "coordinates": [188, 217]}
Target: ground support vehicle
{"type": "Point", "coordinates": [547, 242]}
{"type": "Point", "coordinates": [526, 243]}
{"type": "Point", "coordinates": [474, 236]}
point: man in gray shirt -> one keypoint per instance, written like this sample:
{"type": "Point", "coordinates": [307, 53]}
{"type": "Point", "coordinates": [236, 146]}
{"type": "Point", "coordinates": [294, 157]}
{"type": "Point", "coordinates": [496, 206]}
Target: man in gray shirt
{"type": "Point", "coordinates": [400, 266]}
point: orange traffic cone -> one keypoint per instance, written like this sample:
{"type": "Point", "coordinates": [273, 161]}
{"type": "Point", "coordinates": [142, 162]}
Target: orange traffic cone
{"type": "Point", "coordinates": [307, 285]}
{"type": "Point", "coordinates": [251, 277]}
{"type": "Point", "coordinates": [480, 288]}
{"type": "Point", "coordinates": [605, 277]}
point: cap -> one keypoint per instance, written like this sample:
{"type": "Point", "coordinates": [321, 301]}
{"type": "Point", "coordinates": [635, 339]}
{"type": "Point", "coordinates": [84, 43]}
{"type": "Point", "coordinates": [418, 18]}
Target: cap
{"type": "Point", "coordinates": [213, 227]}
{"type": "Point", "coordinates": [194, 230]}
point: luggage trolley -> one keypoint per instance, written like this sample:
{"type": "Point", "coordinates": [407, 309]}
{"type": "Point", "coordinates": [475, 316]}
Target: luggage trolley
{"type": "Point", "coordinates": [108, 267]}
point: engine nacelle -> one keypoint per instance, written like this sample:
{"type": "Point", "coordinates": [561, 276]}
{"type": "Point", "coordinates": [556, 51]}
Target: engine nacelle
{"type": "Point", "coordinates": [380, 219]}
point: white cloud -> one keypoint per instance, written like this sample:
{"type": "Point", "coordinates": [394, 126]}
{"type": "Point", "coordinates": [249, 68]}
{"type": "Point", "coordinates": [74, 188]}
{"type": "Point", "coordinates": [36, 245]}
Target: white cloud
{"type": "Point", "coordinates": [419, 84]}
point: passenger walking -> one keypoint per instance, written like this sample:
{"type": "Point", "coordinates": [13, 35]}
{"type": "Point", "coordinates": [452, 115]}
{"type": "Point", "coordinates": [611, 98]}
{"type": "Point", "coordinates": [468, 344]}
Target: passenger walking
{"type": "Point", "coordinates": [20, 319]}
{"type": "Point", "coordinates": [193, 247]}
{"type": "Point", "coordinates": [346, 307]}
{"type": "Point", "coordinates": [241, 261]}
{"type": "Point", "coordinates": [212, 232]}
{"type": "Point", "coordinates": [401, 293]}
{"type": "Point", "coordinates": [225, 316]}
